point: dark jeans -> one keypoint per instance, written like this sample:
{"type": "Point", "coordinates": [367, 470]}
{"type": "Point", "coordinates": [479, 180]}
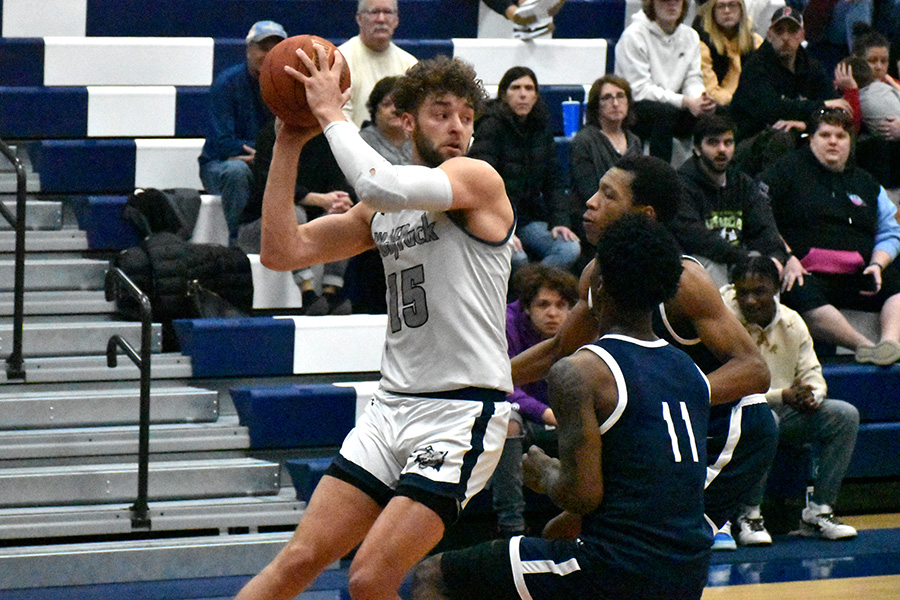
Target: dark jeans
{"type": "Point", "coordinates": [658, 123]}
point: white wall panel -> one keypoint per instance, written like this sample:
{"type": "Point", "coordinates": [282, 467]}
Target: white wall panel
{"type": "Point", "coordinates": [131, 111]}
{"type": "Point", "coordinates": [168, 163]}
{"type": "Point", "coordinates": [554, 61]}
{"type": "Point", "coordinates": [338, 344]}
{"type": "Point", "coordinates": [128, 61]}
{"type": "Point", "coordinates": [42, 18]}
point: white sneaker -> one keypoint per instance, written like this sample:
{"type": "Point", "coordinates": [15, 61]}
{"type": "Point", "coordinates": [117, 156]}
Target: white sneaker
{"type": "Point", "coordinates": [536, 10]}
{"type": "Point", "coordinates": [824, 525]}
{"type": "Point", "coordinates": [752, 532]}
{"type": "Point", "coordinates": [542, 27]}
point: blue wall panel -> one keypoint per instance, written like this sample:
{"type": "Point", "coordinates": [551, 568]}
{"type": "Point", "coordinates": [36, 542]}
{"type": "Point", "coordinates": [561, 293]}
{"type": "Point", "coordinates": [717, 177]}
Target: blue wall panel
{"type": "Point", "coordinates": [590, 19]}
{"type": "Point", "coordinates": [33, 112]}
{"type": "Point", "coordinates": [21, 61]}
{"type": "Point", "coordinates": [191, 112]}
{"type": "Point", "coordinates": [253, 346]}
{"type": "Point", "coordinates": [86, 166]}
{"type": "Point", "coordinates": [434, 19]}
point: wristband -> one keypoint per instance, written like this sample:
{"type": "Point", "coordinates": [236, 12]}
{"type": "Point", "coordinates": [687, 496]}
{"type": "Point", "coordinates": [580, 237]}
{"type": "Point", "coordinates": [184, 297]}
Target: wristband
{"type": "Point", "coordinates": [877, 264]}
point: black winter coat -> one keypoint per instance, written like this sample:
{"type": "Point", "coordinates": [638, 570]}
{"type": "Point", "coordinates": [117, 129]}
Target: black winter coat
{"type": "Point", "coordinates": [524, 153]}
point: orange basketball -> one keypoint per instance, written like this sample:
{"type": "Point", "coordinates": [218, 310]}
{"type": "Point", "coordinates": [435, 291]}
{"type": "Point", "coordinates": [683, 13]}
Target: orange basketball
{"type": "Point", "coordinates": [284, 95]}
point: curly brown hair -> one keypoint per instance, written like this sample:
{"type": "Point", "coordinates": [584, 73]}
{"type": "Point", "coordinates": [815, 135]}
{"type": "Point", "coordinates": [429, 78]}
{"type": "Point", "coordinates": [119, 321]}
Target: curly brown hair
{"type": "Point", "coordinates": [438, 75]}
{"type": "Point", "coordinates": [529, 280]}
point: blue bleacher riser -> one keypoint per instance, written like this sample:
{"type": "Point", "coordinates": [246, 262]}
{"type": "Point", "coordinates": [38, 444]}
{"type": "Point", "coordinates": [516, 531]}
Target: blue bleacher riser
{"type": "Point", "coordinates": [256, 346]}
{"type": "Point", "coordinates": [85, 166]}
{"type": "Point", "coordinates": [876, 452]}
{"type": "Point", "coordinates": [22, 61]}
{"type": "Point", "coordinates": [874, 391]}
{"type": "Point", "coordinates": [295, 416]}
{"type": "Point", "coordinates": [554, 96]}
{"type": "Point", "coordinates": [191, 112]}
{"type": "Point", "coordinates": [431, 19]}
{"type": "Point", "coordinates": [32, 112]}
{"type": "Point", "coordinates": [101, 219]}
{"type": "Point", "coordinates": [305, 474]}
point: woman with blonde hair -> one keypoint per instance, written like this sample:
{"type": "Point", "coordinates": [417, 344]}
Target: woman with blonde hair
{"type": "Point", "coordinates": [726, 36]}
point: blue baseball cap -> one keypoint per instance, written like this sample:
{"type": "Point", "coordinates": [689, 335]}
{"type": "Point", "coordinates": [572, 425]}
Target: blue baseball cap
{"type": "Point", "coordinates": [265, 29]}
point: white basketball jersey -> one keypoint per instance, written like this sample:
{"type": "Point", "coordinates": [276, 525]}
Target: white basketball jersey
{"type": "Point", "coordinates": [446, 299]}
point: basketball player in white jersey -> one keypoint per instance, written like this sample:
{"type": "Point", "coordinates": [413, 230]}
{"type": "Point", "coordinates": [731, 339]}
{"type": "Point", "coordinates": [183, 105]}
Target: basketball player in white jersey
{"type": "Point", "coordinates": [433, 433]}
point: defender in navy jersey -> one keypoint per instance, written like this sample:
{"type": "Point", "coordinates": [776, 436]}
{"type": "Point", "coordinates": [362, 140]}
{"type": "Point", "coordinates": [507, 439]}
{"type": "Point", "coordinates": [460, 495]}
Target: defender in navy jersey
{"type": "Point", "coordinates": [632, 445]}
{"type": "Point", "coordinates": [742, 432]}
{"type": "Point", "coordinates": [433, 433]}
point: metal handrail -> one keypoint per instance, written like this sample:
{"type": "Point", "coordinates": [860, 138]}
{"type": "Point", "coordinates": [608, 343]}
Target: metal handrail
{"type": "Point", "coordinates": [15, 364]}
{"type": "Point", "coordinates": [118, 283]}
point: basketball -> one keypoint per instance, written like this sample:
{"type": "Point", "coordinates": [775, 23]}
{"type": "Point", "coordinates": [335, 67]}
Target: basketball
{"type": "Point", "coordinates": [284, 95]}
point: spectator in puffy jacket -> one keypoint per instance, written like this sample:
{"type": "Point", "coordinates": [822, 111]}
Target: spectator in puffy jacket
{"type": "Point", "coordinates": [514, 136]}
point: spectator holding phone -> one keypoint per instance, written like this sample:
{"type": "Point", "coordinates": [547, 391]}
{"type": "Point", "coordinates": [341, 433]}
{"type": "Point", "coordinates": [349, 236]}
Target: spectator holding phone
{"type": "Point", "coordinates": [841, 224]}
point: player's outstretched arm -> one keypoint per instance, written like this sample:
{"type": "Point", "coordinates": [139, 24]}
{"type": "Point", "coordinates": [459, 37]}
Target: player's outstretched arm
{"type": "Point", "coordinates": [578, 329]}
{"type": "Point", "coordinates": [285, 244]}
{"type": "Point", "coordinates": [743, 371]}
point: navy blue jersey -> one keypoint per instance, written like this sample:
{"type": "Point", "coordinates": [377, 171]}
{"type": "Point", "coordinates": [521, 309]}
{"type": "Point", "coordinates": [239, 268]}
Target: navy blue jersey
{"type": "Point", "coordinates": [650, 523]}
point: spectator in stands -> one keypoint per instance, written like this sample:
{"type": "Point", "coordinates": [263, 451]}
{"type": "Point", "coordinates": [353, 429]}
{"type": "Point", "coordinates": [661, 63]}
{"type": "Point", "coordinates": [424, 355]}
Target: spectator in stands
{"type": "Point", "coordinates": [660, 57]}
{"type": "Point", "coordinates": [384, 131]}
{"type": "Point", "coordinates": [797, 398]}
{"type": "Point", "coordinates": [726, 37]}
{"type": "Point", "coordinates": [723, 216]}
{"type": "Point", "coordinates": [839, 220]}
{"type": "Point", "coordinates": [372, 55]}
{"type": "Point", "coordinates": [780, 88]}
{"type": "Point", "coordinates": [879, 101]}
{"type": "Point", "coordinates": [237, 112]}
{"type": "Point", "coordinates": [544, 297]}
{"type": "Point", "coordinates": [531, 18]}
{"type": "Point", "coordinates": [875, 49]}
{"type": "Point", "coordinates": [605, 137]}
{"type": "Point", "coordinates": [321, 189]}
{"type": "Point", "coordinates": [514, 136]}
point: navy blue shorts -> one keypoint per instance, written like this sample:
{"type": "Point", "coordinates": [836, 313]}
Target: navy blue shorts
{"type": "Point", "coordinates": [527, 568]}
{"type": "Point", "coordinates": [740, 447]}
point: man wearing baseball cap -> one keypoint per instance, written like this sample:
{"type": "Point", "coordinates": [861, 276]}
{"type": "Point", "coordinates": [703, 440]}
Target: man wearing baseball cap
{"type": "Point", "coordinates": [781, 87]}
{"type": "Point", "coordinates": [237, 111]}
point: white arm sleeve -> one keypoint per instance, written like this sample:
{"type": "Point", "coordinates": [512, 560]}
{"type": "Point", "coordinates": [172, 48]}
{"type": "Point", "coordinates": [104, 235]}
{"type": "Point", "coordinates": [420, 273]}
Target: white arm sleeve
{"type": "Point", "coordinates": [381, 185]}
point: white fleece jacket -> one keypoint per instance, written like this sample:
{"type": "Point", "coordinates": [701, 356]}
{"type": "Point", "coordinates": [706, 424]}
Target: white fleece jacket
{"type": "Point", "coordinates": [659, 66]}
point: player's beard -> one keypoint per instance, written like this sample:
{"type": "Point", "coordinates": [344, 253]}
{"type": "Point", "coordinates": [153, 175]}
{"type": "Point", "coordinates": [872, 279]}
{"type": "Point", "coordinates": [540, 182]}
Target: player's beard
{"type": "Point", "coordinates": [425, 149]}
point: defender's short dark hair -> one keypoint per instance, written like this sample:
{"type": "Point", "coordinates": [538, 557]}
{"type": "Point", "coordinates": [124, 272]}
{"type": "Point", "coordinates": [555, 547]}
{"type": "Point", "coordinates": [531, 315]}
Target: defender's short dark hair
{"type": "Point", "coordinates": [655, 184]}
{"type": "Point", "coordinates": [438, 75]}
{"type": "Point", "coordinates": [761, 266]}
{"type": "Point", "coordinates": [639, 262]}
{"type": "Point", "coordinates": [529, 280]}
{"type": "Point", "coordinates": [712, 124]}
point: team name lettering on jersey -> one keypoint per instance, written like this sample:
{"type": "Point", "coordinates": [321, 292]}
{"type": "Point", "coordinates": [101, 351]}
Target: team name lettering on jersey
{"type": "Point", "coordinates": [405, 236]}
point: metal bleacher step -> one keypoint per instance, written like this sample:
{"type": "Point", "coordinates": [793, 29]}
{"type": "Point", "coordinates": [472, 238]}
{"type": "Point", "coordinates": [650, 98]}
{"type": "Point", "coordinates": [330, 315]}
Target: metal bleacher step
{"type": "Point", "coordinates": [66, 409]}
{"type": "Point", "coordinates": [59, 302]}
{"type": "Point", "coordinates": [61, 338]}
{"type": "Point", "coordinates": [224, 434]}
{"type": "Point", "coordinates": [56, 274]}
{"type": "Point", "coordinates": [39, 214]}
{"type": "Point", "coordinates": [61, 240]}
{"type": "Point", "coordinates": [170, 365]}
{"type": "Point", "coordinates": [107, 562]}
{"type": "Point", "coordinates": [116, 483]}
